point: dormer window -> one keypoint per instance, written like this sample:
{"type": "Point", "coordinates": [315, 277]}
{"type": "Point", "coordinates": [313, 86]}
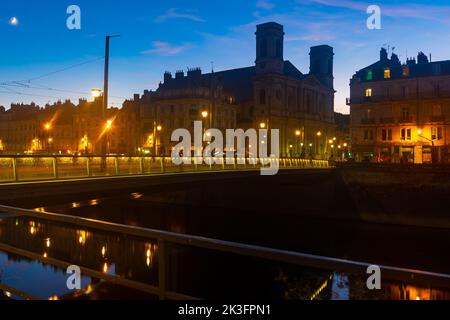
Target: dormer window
{"type": "Point", "coordinates": [405, 71]}
{"type": "Point", "coordinates": [369, 75]}
{"type": "Point", "coordinates": [387, 73]}
{"type": "Point", "coordinates": [368, 92]}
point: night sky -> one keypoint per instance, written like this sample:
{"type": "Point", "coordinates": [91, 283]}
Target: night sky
{"type": "Point", "coordinates": [169, 35]}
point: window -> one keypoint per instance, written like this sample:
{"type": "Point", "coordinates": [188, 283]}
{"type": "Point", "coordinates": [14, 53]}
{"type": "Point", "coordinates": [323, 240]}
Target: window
{"type": "Point", "coordinates": [405, 134]}
{"type": "Point", "coordinates": [262, 96]}
{"type": "Point", "coordinates": [404, 92]}
{"type": "Point", "coordinates": [386, 134]}
{"type": "Point", "coordinates": [387, 73]}
{"type": "Point", "coordinates": [279, 49]}
{"type": "Point", "coordinates": [369, 75]}
{"type": "Point", "coordinates": [368, 92]}
{"type": "Point", "coordinates": [405, 114]}
{"type": "Point", "coordinates": [437, 133]}
{"type": "Point", "coordinates": [405, 71]}
{"type": "Point", "coordinates": [368, 134]}
{"type": "Point", "coordinates": [263, 48]}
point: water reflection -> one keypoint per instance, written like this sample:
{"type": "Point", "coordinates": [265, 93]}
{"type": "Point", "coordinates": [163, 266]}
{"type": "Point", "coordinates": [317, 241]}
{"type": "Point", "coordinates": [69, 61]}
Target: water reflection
{"type": "Point", "coordinates": [110, 254]}
{"type": "Point", "coordinates": [196, 272]}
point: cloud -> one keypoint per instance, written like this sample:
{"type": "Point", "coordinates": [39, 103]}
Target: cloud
{"type": "Point", "coordinates": [419, 11]}
{"type": "Point", "coordinates": [174, 14]}
{"type": "Point", "coordinates": [167, 49]}
{"type": "Point", "coordinates": [264, 4]}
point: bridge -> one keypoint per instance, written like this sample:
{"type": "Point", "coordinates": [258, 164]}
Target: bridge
{"type": "Point", "coordinates": [45, 168]}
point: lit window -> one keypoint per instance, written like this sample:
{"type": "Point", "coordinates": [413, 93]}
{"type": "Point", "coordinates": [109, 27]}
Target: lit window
{"type": "Point", "coordinates": [369, 75]}
{"type": "Point", "coordinates": [368, 92]}
{"type": "Point", "coordinates": [405, 71]}
{"type": "Point", "coordinates": [387, 73]}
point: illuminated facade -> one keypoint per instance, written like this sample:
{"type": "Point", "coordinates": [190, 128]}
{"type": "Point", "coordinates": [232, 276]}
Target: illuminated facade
{"type": "Point", "coordinates": [400, 112]}
{"type": "Point", "coordinates": [272, 94]}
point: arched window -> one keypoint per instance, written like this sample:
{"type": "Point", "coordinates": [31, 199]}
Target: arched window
{"type": "Point", "coordinates": [262, 96]}
{"type": "Point", "coordinates": [263, 48]}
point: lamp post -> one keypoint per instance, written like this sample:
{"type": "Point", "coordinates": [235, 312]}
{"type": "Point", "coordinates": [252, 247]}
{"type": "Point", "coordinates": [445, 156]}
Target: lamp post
{"type": "Point", "coordinates": [420, 134]}
{"type": "Point", "coordinates": [47, 128]}
{"type": "Point", "coordinates": [106, 88]}
{"type": "Point", "coordinates": [108, 128]}
{"type": "Point", "coordinates": [297, 137]}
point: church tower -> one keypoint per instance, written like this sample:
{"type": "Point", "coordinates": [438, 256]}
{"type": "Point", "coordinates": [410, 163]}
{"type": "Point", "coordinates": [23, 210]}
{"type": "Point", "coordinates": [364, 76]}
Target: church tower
{"type": "Point", "coordinates": [321, 64]}
{"type": "Point", "coordinates": [269, 48]}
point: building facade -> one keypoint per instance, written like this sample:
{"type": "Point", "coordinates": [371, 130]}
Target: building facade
{"type": "Point", "coordinates": [272, 94]}
{"type": "Point", "coordinates": [401, 112]}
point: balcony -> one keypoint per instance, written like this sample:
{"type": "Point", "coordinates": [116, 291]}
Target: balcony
{"type": "Point", "coordinates": [437, 119]}
{"type": "Point", "coordinates": [405, 120]}
{"type": "Point", "coordinates": [387, 120]}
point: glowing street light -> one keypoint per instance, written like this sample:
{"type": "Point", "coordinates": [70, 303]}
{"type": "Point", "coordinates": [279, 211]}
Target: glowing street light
{"type": "Point", "coordinates": [159, 128]}
{"type": "Point", "coordinates": [262, 125]}
{"type": "Point", "coordinates": [96, 92]}
{"type": "Point", "coordinates": [298, 133]}
{"type": "Point", "coordinates": [419, 132]}
{"type": "Point", "coordinates": [205, 114]}
{"type": "Point", "coordinates": [48, 126]}
{"type": "Point", "coordinates": [319, 133]}
{"type": "Point", "coordinates": [109, 124]}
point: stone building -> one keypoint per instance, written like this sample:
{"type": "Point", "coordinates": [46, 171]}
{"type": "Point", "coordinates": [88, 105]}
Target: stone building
{"type": "Point", "coordinates": [399, 112]}
{"type": "Point", "coordinates": [272, 94]}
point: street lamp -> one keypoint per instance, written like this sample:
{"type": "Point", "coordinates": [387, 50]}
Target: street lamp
{"type": "Point", "coordinates": [205, 114]}
{"type": "Point", "coordinates": [262, 125]}
{"type": "Point", "coordinates": [95, 92]}
{"type": "Point", "coordinates": [108, 127]}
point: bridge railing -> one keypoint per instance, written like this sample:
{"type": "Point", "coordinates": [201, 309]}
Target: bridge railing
{"type": "Point", "coordinates": [166, 239]}
{"type": "Point", "coordinates": [32, 168]}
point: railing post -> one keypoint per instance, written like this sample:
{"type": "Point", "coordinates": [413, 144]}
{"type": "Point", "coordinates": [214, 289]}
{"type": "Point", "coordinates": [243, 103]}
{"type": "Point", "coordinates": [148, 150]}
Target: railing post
{"type": "Point", "coordinates": [116, 165]}
{"type": "Point", "coordinates": [55, 168]}
{"type": "Point", "coordinates": [162, 165]}
{"type": "Point", "coordinates": [141, 165]}
{"type": "Point", "coordinates": [162, 277]}
{"type": "Point", "coordinates": [88, 167]}
{"type": "Point", "coordinates": [14, 167]}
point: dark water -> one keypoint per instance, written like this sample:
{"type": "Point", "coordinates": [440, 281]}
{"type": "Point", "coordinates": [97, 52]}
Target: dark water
{"type": "Point", "coordinates": [203, 273]}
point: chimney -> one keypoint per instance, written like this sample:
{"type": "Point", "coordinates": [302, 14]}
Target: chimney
{"type": "Point", "coordinates": [383, 54]}
{"type": "Point", "coordinates": [179, 74]}
{"type": "Point", "coordinates": [422, 58]}
{"type": "Point", "coordinates": [195, 72]}
{"type": "Point", "coordinates": [167, 76]}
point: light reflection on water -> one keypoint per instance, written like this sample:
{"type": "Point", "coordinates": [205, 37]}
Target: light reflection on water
{"type": "Point", "coordinates": [111, 254]}
{"type": "Point", "coordinates": [199, 274]}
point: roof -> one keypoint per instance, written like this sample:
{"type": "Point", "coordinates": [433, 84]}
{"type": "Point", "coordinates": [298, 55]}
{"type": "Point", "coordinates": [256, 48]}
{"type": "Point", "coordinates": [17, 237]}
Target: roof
{"type": "Point", "coordinates": [414, 70]}
{"type": "Point", "coordinates": [238, 82]}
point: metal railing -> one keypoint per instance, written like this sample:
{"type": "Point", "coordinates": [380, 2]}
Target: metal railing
{"type": "Point", "coordinates": [35, 168]}
{"type": "Point", "coordinates": [164, 238]}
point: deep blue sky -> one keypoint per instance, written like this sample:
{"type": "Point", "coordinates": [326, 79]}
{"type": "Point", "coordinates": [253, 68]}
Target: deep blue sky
{"type": "Point", "coordinates": [176, 34]}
